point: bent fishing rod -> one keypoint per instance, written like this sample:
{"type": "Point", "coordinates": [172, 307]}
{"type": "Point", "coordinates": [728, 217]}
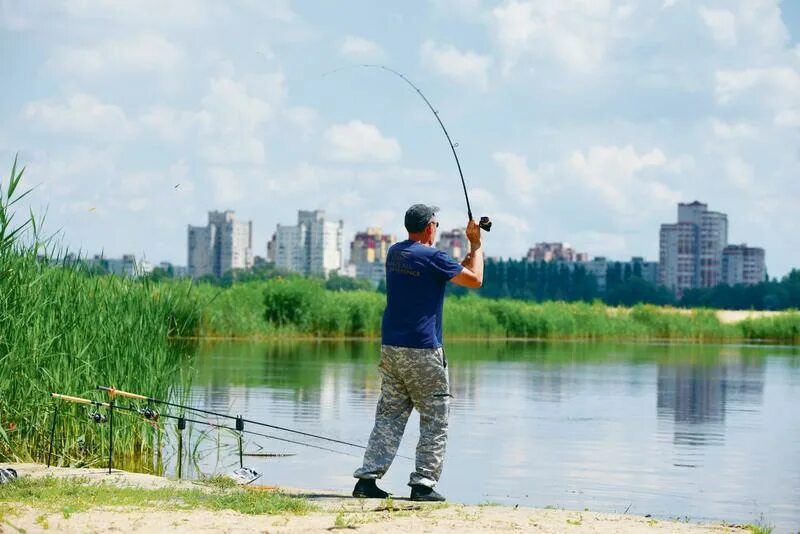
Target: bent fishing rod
{"type": "Point", "coordinates": [152, 416]}
{"type": "Point", "coordinates": [484, 223]}
{"type": "Point", "coordinates": [113, 392]}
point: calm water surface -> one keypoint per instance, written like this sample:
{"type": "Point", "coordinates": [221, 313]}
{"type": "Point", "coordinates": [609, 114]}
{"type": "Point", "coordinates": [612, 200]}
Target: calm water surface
{"type": "Point", "coordinates": [706, 432]}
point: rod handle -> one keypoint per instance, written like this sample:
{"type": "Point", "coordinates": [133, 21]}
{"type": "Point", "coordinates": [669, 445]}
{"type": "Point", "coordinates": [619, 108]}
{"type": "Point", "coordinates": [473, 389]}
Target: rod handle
{"type": "Point", "coordinates": [77, 400]}
{"type": "Point", "coordinates": [113, 392]}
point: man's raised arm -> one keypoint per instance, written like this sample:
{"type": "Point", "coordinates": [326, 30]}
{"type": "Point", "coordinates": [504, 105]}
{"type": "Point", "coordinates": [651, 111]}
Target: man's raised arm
{"type": "Point", "coordinates": [472, 274]}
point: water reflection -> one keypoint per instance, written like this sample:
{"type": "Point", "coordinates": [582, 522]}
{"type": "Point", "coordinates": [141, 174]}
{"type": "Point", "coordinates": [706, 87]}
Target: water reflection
{"type": "Point", "coordinates": [672, 430]}
{"type": "Point", "coordinates": [694, 392]}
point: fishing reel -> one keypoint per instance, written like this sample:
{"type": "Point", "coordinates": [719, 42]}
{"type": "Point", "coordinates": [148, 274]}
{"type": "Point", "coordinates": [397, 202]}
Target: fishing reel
{"type": "Point", "coordinates": [485, 224]}
{"type": "Point", "coordinates": [148, 413]}
{"type": "Point", "coordinates": [96, 417]}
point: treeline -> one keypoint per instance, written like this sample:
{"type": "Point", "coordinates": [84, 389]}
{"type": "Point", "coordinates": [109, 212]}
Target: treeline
{"type": "Point", "coordinates": [544, 281]}
{"type": "Point", "coordinates": [625, 286]}
{"type": "Point", "coordinates": [554, 281]}
{"type": "Point", "coordinates": [768, 295]}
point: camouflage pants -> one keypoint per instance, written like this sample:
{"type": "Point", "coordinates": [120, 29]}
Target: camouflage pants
{"type": "Point", "coordinates": [410, 378]}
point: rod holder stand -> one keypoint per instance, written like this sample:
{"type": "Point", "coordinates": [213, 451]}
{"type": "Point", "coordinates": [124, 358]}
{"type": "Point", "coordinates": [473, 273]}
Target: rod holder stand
{"type": "Point", "coordinates": [110, 435]}
{"type": "Point", "coordinates": [52, 434]}
{"type": "Point", "coordinates": [181, 428]}
{"type": "Point", "coordinates": [240, 429]}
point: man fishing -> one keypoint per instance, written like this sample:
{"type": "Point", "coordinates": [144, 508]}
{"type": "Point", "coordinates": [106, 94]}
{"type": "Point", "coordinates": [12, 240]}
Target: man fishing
{"type": "Point", "coordinates": [413, 364]}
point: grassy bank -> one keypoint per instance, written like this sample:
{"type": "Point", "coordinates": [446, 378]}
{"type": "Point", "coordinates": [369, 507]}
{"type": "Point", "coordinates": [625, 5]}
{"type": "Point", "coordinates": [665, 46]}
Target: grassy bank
{"type": "Point", "coordinates": [66, 331]}
{"type": "Point", "coordinates": [67, 496]}
{"type": "Point", "coordinates": [287, 307]}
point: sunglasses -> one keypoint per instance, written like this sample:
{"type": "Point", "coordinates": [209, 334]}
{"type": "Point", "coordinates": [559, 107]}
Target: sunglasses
{"type": "Point", "coordinates": [435, 222]}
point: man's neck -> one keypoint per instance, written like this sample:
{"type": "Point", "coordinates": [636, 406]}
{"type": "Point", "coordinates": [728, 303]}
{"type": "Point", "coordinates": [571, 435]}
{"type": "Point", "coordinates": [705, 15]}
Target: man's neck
{"type": "Point", "coordinates": [421, 238]}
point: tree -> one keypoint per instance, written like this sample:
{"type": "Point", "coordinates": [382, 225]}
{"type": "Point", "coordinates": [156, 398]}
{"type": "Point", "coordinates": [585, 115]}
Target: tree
{"type": "Point", "coordinates": [346, 283]}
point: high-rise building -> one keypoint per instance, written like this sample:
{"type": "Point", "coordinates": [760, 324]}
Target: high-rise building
{"type": "Point", "coordinates": [454, 242]}
{"type": "Point", "coordinates": [555, 252]}
{"type": "Point", "coordinates": [743, 265]}
{"type": "Point", "coordinates": [690, 251]}
{"type": "Point", "coordinates": [222, 245]}
{"type": "Point", "coordinates": [128, 265]}
{"type": "Point", "coordinates": [313, 247]}
{"type": "Point", "coordinates": [598, 267]}
{"type": "Point", "coordinates": [368, 254]}
{"type": "Point", "coordinates": [647, 270]}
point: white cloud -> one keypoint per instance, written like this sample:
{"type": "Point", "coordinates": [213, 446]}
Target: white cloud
{"type": "Point", "coordinates": [233, 108]}
{"type": "Point", "coordinates": [781, 84]}
{"type": "Point", "coordinates": [357, 141]}
{"type": "Point", "coordinates": [67, 174]}
{"type": "Point", "coordinates": [356, 48]}
{"type": "Point", "coordinates": [774, 89]}
{"type": "Point", "coordinates": [721, 23]}
{"type": "Point", "coordinates": [463, 67]}
{"type": "Point", "coordinates": [614, 173]}
{"type": "Point", "coordinates": [143, 53]}
{"type": "Point", "coordinates": [732, 130]}
{"type": "Point", "coordinates": [190, 13]}
{"type": "Point", "coordinates": [303, 117]}
{"type": "Point", "coordinates": [80, 114]}
{"type": "Point", "coordinates": [739, 173]}
{"type": "Point", "coordinates": [601, 244]}
{"type": "Point", "coordinates": [789, 118]}
{"type": "Point", "coordinates": [229, 187]}
{"type": "Point", "coordinates": [237, 119]}
{"type": "Point", "coordinates": [521, 182]}
{"type": "Point", "coordinates": [458, 7]}
{"type": "Point", "coordinates": [576, 35]}
{"type": "Point", "coordinates": [176, 125]}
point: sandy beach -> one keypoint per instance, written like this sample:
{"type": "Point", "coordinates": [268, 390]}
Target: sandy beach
{"type": "Point", "coordinates": [334, 511]}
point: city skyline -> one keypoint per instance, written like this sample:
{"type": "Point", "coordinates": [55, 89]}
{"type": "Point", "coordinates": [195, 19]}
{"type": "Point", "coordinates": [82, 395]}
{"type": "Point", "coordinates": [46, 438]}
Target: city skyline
{"type": "Point", "coordinates": [583, 125]}
{"type": "Point", "coordinates": [451, 240]}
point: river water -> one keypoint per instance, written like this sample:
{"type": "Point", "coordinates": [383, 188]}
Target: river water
{"type": "Point", "coordinates": [704, 432]}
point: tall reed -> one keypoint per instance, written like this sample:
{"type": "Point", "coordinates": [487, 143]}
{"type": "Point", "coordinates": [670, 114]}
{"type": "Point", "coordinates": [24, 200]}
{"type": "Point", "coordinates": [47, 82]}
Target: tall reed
{"type": "Point", "coordinates": [64, 330]}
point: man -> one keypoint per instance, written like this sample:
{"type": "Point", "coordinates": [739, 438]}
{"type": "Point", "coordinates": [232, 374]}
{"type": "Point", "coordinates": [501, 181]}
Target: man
{"type": "Point", "coordinates": [413, 365]}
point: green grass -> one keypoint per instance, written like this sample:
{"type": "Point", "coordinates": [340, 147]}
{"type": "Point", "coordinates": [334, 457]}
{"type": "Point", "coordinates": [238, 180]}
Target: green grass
{"type": "Point", "coordinates": [69, 496]}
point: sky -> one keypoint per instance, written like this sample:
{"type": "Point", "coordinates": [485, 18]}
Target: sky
{"type": "Point", "coordinates": [583, 121]}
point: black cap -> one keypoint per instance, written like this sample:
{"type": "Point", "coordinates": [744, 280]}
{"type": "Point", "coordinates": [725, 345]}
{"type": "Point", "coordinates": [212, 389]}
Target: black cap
{"type": "Point", "coordinates": [418, 217]}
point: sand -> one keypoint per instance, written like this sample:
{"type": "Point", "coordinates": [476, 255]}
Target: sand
{"type": "Point", "coordinates": [338, 512]}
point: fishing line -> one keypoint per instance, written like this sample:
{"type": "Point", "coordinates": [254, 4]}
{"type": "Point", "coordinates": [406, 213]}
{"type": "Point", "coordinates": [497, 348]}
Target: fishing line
{"type": "Point", "coordinates": [115, 392]}
{"type": "Point", "coordinates": [484, 223]}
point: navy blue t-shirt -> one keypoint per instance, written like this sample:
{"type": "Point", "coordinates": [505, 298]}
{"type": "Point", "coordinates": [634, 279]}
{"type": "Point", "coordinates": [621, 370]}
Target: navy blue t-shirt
{"type": "Point", "coordinates": [416, 276]}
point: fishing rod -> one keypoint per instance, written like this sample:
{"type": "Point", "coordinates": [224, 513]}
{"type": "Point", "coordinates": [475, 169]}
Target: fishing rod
{"type": "Point", "coordinates": [113, 392]}
{"type": "Point", "coordinates": [153, 416]}
{"type": "Point", "coordinates": [484, 223]}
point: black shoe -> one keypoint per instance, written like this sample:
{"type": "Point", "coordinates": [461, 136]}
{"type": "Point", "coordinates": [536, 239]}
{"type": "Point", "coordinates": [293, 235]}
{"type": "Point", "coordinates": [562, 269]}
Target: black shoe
{"type": "Point", "coordinates": [426, 494]}
{"type": "Point", "coordinates": [366, 488]}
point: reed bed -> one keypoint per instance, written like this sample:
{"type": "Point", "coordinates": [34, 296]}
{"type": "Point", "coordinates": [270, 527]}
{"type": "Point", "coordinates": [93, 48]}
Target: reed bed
{"type": "Point", "coordinates": [65, 330]}
{"type": "Point", "coordinates": [300, 307]}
